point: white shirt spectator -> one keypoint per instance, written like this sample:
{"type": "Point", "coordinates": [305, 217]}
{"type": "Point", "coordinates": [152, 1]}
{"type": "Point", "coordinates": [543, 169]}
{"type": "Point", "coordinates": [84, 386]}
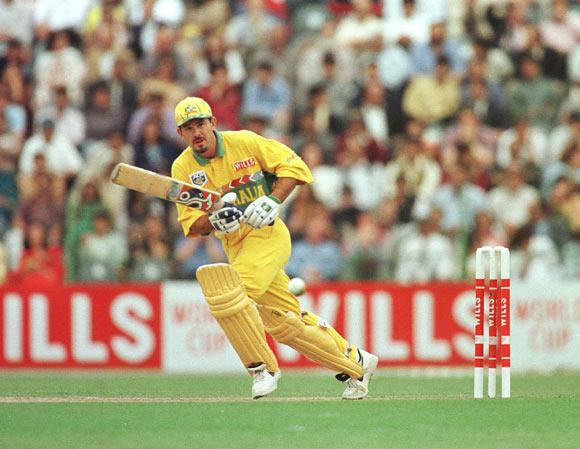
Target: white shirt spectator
{"type": "Point", "coordinates": [352, 30]}
{"type": "Point", "coordinates": [459, 205]}
{"type": "Point", "coordinates": [394, 64]}
{"type": "Point", "coordinates": [61, 14]}
{"type": "Point", "coordinates": [16, 21]}
{"type": "Point", "coordinates": [532, 150]}
{"type": "Point", "coordinates": [169, 12]}
{"type": "Point", "coordinates": [63, 67]}
{"type": "Point", "coordinates": [328, 183]}
{"type": "Point", "coordinates": [415, 27]}
{"type": "Point", "coordinates": [539, 262]}
{"type": "Point", "coordinates": [70, 123]}
{"type": "Point", "coordinates": [559, 139]}
{"type": "Point", "coordinates": [511, 207]}
{"type": "Point", "coordinates": [562, 36]}
{"type": "Point", "coordinates": [423, 257]}
{"type": "Point", "coordinates": [62, 158]}
{"type": "Point", "coordinates": [366, 181]}
{"type": "Point", "coordinates": [433, 10]}
{"type": "Point", "coordinates": [574, 65]}
{"type": "Point", "coordinates": [421, 173]}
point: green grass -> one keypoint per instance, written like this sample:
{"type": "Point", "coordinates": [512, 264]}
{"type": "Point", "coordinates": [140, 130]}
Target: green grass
{"type": "Point", "coordinates": [402, 412]}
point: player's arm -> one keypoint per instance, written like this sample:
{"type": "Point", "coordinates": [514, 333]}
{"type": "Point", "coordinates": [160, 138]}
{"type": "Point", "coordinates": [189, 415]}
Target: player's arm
{"type": "Point", "coordinates": [284, 187]}
{"type": "Point", "coordinates": [201, 226]}
{"type": "Point", "coordinates": [290, 170]}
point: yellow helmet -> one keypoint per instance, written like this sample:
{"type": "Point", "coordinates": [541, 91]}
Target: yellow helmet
{"type": "Point", "coordinates": [191, 108]}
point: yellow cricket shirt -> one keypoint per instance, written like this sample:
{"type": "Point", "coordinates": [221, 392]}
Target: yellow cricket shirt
{"type": "Point", "coordinates": [245, 163]}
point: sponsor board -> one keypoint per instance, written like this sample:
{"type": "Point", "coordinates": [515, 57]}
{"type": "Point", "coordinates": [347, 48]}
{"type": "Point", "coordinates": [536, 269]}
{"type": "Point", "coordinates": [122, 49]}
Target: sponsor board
{"type": "Point", "coordinates": [104, 326]}
{"type": "Point", "coordinates": [169, 326]}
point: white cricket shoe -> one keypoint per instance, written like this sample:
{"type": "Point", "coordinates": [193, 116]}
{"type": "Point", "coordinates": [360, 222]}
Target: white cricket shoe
{"type": "Point", "coordinates": [359, 388]}
{"type": "Point", "coordinates": [264, 381]}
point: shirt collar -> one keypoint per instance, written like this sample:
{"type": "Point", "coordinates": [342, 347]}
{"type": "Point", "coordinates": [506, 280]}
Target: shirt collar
{"type": "Point", "coordinates": [219, 150]}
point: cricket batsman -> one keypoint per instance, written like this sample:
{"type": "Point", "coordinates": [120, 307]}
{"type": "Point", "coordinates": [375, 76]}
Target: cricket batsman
{"type": "Point", "coordinates": [250, 296]}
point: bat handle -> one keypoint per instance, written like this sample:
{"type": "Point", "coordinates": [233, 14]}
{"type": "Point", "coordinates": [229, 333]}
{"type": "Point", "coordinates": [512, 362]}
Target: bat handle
{"type": "Point", "coordinates": [229, 198]}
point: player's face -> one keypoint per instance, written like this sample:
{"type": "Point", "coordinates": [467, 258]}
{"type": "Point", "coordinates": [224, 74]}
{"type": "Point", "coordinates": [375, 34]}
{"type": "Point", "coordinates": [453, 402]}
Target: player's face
{"type": "Point", "coordinates": [198, 134]}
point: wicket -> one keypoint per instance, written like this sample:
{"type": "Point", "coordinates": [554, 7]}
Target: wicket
{"type": "Point", "coordinates": [496, 328]}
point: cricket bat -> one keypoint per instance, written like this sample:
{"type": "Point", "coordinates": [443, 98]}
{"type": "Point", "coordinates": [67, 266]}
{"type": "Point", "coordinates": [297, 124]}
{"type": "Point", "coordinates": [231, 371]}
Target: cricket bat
{"type": "Point", "coordinates": [166, 188]}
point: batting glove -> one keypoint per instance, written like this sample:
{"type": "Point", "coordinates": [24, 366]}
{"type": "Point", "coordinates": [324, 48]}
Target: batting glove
{"type": "Point", "coordinates": [227, 219]}
{"type": "Point", "coordinates": [262, 212]}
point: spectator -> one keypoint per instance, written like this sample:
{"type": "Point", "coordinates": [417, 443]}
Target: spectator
{"type": "Point", "coordinates": [412, 27]}
{"type": "Point", "coordinates": [374, 110]}
{"type": "Point", "coordinates": [560, 36]}
{"type": "Point", "coordinates": [45, 202]}
{"type": "Point", "coordinates": [15, 73]}
{"type": "Point", "coordinates": [251, 28]}
{"type": "Point", "coordinates": [534, 95]}
{"type": "Point", "coordinates": [471, 145]}
{"type": "Point", "coordinates": [525, 145]}
{"type": "Point", "coordinates": [62, 158]}
{"type": "Point", "coordinates": [102, 119]}
{"type": "Point", "coordinates": [534, 257]}
{"type": "Point", "coordinates": [421, 176]}
{"type": "Point", "coordinates": [122, 90]}
{"type": "Point", "coordinates": [102, 251]}
{"type": "Point", "coordinates": [15, 117]}
{"type": "Point", "coordinates": [424, 54]}
{"type": "Point", "coordinates": [510, 202]}
{"type": "Point", "coordinates": [163, 82]}
{"type": "Point", "coordinates": [104, 155]}
{"type": "Point", "coordinates": [329, 179]}
{"type": "Point", "coordinates": [309, 57]}
{"type": "Point", "coordinates": [105, 46]}
{"type": "Point", "coordinates": [154, 152]}
{"type": "Point", "coordinates": [166, 45]}
{"type": "Point", "coordinates": [190, 254]}
{"type": "Point", "coordinates": [149, 256]}
{"type": "Point", "coordinates": [307, 132]}
{"type": "Point", "coordinates": [340, 93]}
{"type": "Point", "coordinates": [61, 65]}
{"type": "Point", "coordinates": [364, 253]}
{"type": "Point", "coordinates": [10, 146]}
{"type": "Point", "coordinates": [459, 201]}
{"type": "Point", "coordinates": [41, 264]}
{"type": "Point", "coordinates": [359, 33]}
{"type": "Point", "coordinates": [567, 167]}
{"type": "Point", "coordinates": [316, 257]}
{"type": "Point", "coordinates": [433, 99]}
{"type": "Point", "coordinates": [215, 54]}
{"type": "Point", "coordinates": [15, 22]}
{"type": "Point", "coordinates": [225, 95]}
{"type": "Point", "coordinates": [266, 94]}
{"type": "Point", "coordinates": [426, 254]}
{"type": "Point", "coordinates": [69, 121]}
{"type": "Point", "coordinates": [155, 108]}
{"type": "Point", "coordinates": [562, 136]}
{"type": "Point", "coordinates": [83, 203]}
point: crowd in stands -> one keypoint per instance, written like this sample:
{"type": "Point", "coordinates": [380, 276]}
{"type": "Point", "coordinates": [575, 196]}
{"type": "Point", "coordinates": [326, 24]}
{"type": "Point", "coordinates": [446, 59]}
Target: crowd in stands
{"type": "Point", "coordinates": [432, 127]}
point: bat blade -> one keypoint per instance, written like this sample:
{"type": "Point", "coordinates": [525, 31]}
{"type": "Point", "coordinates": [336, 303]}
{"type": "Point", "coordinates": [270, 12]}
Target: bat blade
{"type": "Point", "coordinates": [164, 187]}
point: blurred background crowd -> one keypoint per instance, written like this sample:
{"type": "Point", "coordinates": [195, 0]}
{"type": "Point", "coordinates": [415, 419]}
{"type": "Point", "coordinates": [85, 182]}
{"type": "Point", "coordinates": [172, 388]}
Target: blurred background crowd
{"type": "Point", "coordinates": [432, 127]}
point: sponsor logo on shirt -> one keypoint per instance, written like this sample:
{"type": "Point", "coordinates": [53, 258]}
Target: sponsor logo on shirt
{"type": "Point", "coordinates": [240, 165]}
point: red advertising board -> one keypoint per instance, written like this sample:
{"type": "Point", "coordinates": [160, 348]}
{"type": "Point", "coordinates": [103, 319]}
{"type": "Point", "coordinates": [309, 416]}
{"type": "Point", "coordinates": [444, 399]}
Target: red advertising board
{"type": "Point", "coordinates": [81, 326]}
{"type": "Point", "coordinates": [416, 325]}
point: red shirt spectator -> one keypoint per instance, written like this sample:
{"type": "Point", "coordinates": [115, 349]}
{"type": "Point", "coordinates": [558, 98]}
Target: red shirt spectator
{"type": "Point", "coordinates": [42, 263]}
